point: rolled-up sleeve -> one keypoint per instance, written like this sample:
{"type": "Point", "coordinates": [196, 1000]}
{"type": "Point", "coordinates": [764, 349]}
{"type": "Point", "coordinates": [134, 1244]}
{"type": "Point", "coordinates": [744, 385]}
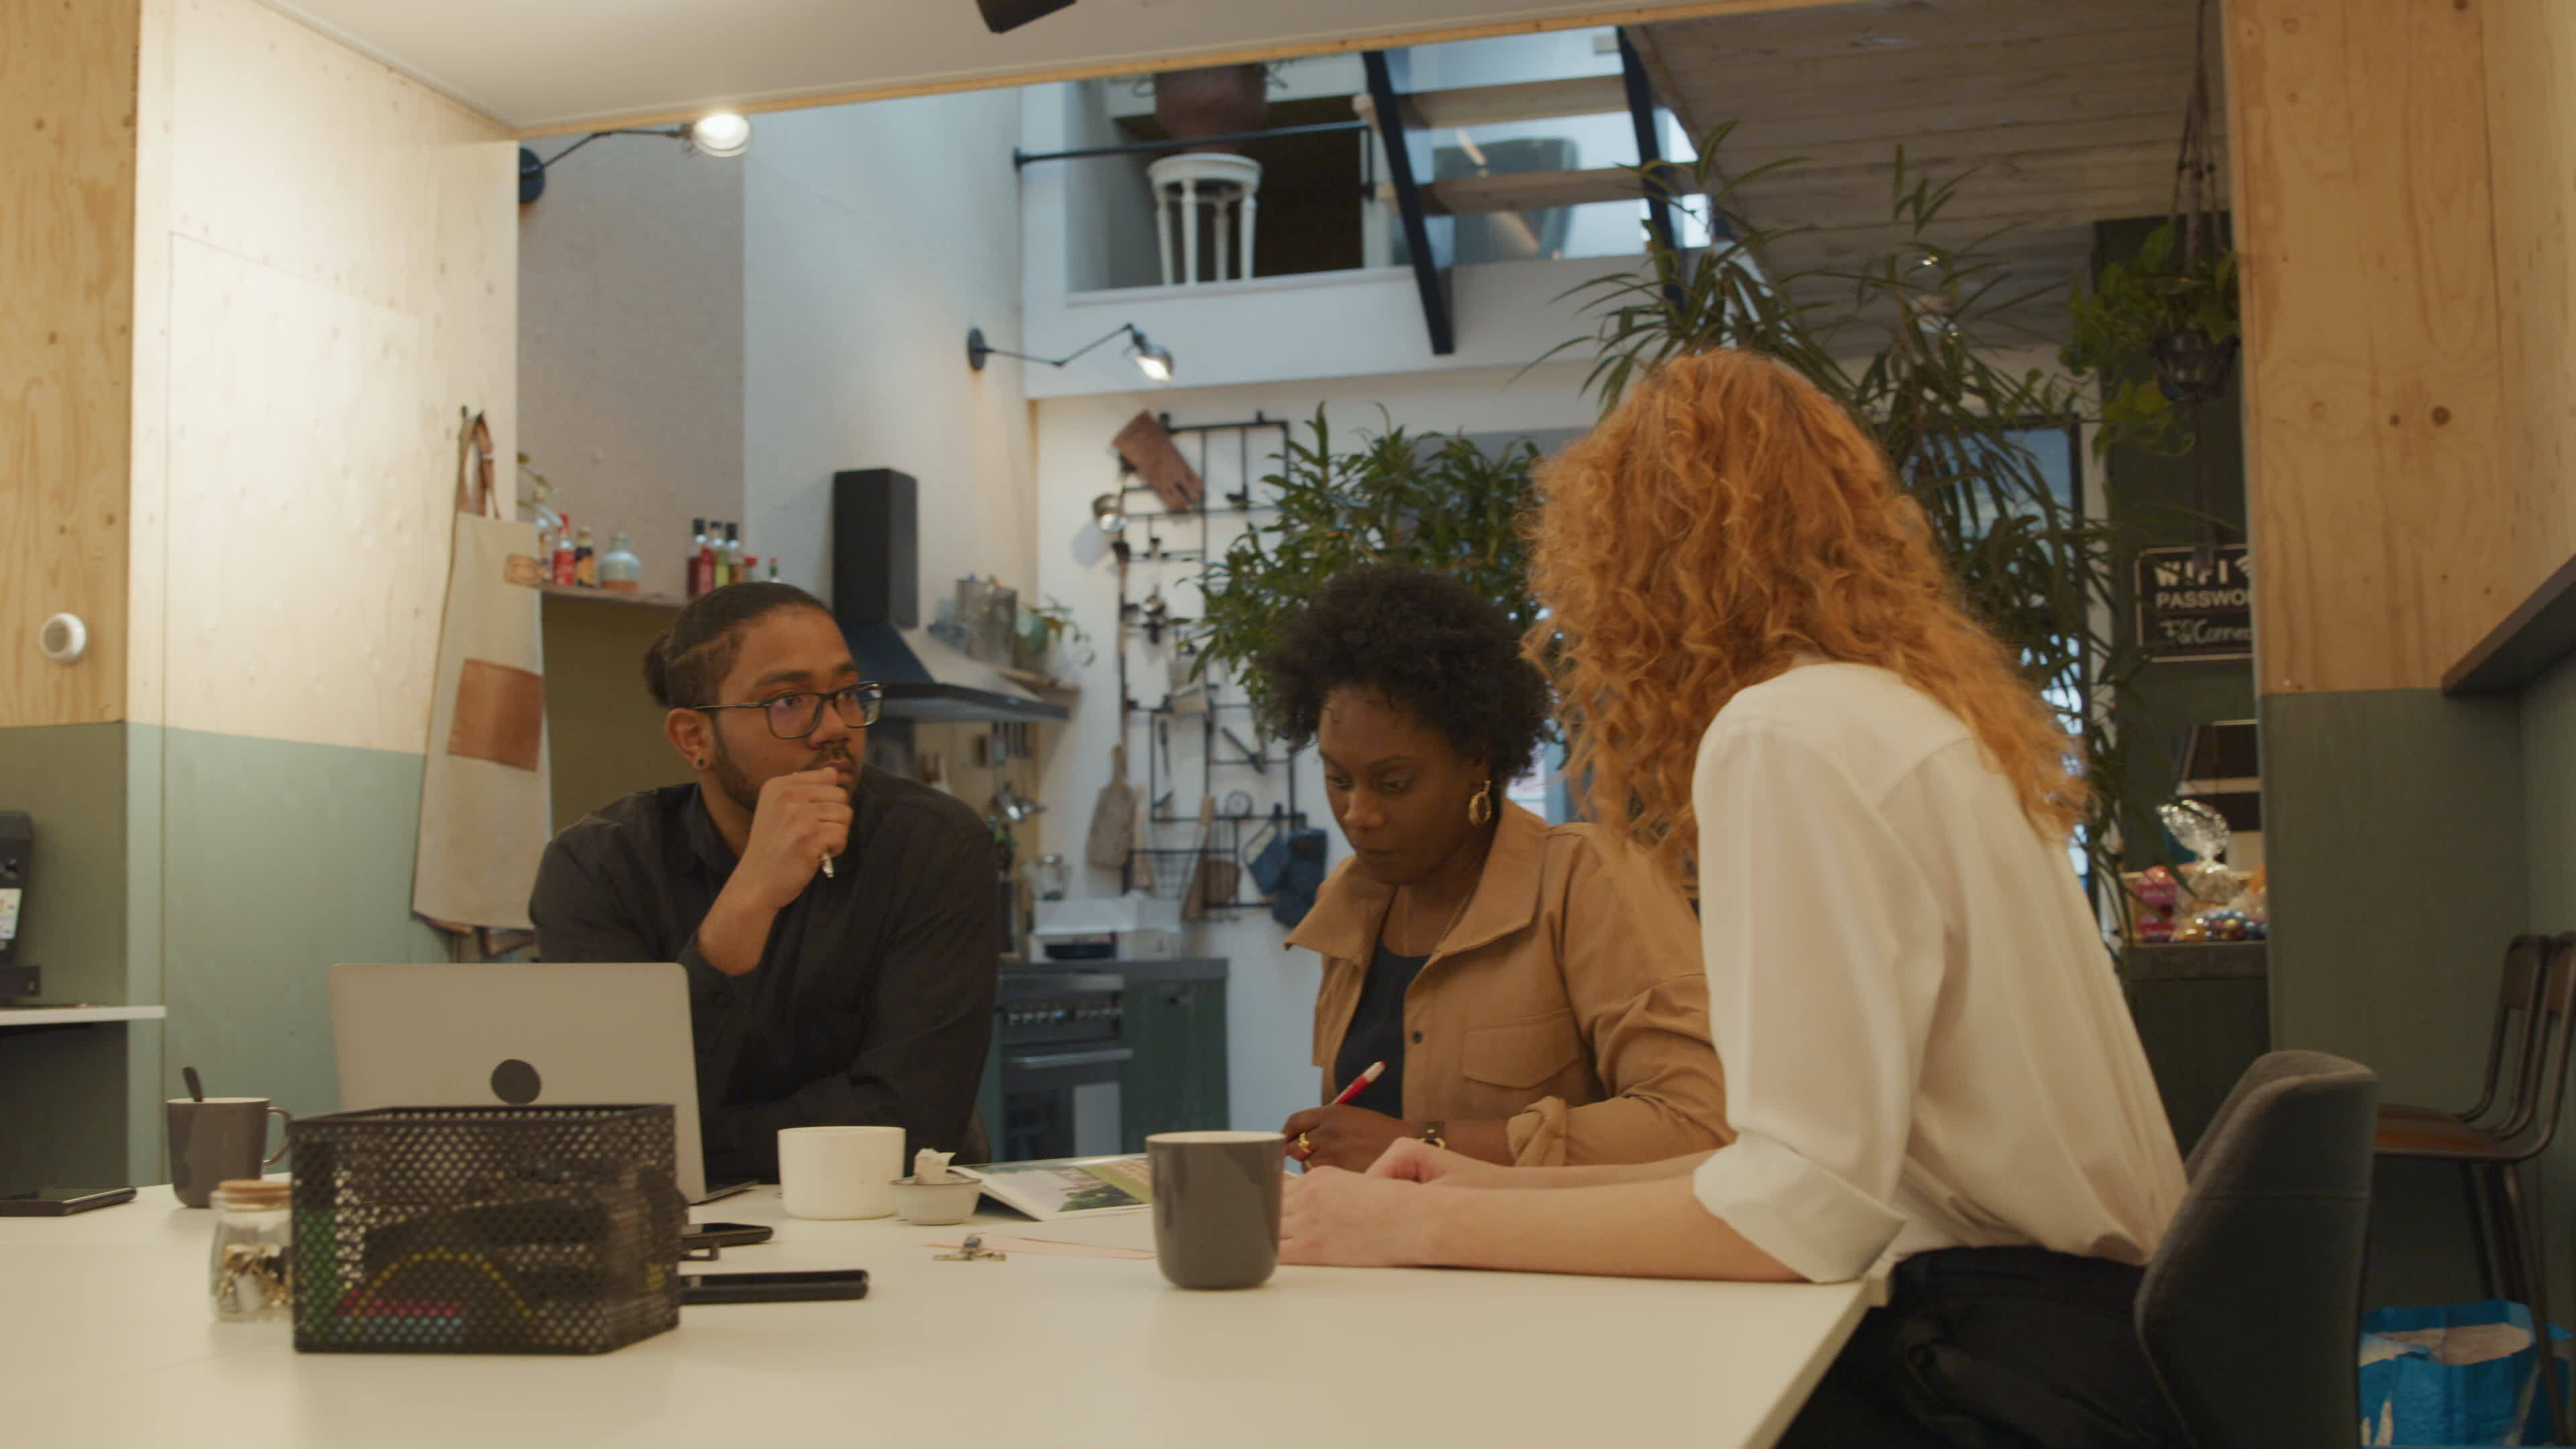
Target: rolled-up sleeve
{"type": "Point", "coordinates": [1822, 947]}
{"type": "Point", "coordinates": [1630, 958]}
{"type": "Point", "coordinates": [929, 1023]}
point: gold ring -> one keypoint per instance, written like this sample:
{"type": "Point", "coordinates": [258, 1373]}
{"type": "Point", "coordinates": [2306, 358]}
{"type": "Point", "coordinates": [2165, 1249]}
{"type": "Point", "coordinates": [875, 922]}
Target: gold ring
{"type": "Point", "coordinates": [1304, 1147]}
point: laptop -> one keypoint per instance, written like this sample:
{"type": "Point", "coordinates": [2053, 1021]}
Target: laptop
{"type": "Point", "coordinates": [486, 1033]}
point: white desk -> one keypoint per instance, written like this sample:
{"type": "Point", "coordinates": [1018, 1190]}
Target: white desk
{"type": "Point", "coordinates": [105, 1339]}
{"type": "Point", "coordinates": [75, 1015]}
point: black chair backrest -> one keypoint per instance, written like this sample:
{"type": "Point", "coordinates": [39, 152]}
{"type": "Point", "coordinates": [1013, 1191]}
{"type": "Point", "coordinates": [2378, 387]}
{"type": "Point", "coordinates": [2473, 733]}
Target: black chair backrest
{"type": "Point", "coordinates": [2517, 1018]}
{"type": "Point", "coordinates": [2250, 1308]}
{"type": "Point", "coordinates": [2547, 1055]}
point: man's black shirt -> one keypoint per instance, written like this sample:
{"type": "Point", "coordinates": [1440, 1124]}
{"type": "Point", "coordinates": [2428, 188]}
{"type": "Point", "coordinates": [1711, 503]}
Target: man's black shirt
{"type": "Point", "coordinates": [873, 1001]}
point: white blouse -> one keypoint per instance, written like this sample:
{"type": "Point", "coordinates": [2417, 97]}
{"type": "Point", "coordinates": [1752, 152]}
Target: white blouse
{"type": "Point", "coordinates": [1925, 1043]}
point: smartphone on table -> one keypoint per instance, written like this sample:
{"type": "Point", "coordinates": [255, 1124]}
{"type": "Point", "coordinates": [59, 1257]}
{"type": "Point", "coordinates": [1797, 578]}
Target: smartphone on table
{"type": "Point", "coordinates": [773, 1287]}
{"type": "Point", "coordinates": [55, 1202]}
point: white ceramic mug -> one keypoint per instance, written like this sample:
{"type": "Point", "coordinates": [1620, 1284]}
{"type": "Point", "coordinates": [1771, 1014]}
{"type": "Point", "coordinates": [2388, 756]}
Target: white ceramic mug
{"type": "Point", "coordinates": [839, 1172]}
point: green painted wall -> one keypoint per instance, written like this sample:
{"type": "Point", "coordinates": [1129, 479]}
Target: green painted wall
{"type": "Point", "coordinates": [218, 875]}
{"type": "Point", "coordinates": [603, 732]}
{"type": "Point", "coordinates": [279, 860]}
{"type": "Point", "coordinates": [67, 1088]}
{"type": "Point", "coordinates": [2151, 497]}
{"type": "Point", "coordinates": [2395, 834]}
{"type": "Point", "coordinates": [2549, 847]}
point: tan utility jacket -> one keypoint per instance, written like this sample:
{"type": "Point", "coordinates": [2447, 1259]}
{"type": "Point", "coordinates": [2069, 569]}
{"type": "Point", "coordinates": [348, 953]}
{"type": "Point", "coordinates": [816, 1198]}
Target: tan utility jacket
{"type": "Point", "coordinates": [1568, 998]}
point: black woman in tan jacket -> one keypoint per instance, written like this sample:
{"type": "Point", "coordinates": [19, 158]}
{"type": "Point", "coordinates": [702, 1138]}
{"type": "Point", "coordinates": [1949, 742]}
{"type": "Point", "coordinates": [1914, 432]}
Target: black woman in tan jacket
{"type": "Point", "coordinates": [1535, 991]}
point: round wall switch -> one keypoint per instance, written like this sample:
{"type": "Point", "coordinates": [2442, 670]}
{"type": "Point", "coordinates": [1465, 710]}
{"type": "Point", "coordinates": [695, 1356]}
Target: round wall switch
{"type": "Point", "coordinates": [64, 638]}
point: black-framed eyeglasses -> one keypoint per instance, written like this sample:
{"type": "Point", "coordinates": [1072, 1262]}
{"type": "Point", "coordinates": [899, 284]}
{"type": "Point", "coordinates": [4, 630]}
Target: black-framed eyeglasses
{"type": "Point", "coordinates": [794, 716]}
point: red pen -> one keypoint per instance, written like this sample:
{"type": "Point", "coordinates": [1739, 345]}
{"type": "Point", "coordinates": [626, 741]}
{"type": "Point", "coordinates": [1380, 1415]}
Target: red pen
{"type": "Point", "coordinates": [1359, 1083]}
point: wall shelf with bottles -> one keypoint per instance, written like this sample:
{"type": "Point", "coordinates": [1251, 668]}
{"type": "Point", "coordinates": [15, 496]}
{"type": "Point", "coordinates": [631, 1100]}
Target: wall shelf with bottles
{"type": "Point", "coordinates": [611, 596]}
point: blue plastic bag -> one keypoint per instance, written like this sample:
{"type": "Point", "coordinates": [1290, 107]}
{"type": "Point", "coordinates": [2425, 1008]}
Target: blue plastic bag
{"type": "Point", "coordinates": [2463, 1373]}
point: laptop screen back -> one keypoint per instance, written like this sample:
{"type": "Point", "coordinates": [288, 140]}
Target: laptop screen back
{"type": "Point", "coordinates": [553, 1033]}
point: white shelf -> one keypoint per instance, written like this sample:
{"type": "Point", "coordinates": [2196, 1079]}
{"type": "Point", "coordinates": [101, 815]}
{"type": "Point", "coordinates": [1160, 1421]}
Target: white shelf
{"type": "Point", "coordinates": [71, 1015]}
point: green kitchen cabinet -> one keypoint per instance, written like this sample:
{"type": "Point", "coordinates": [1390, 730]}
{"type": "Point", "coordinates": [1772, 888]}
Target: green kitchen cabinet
{"type": "Point", "coordinates": [1176, 1082]}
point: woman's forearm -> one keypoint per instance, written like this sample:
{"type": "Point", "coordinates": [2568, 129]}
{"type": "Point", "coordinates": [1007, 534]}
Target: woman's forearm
{"type": "Point", "coordinates": [1639, 1228]}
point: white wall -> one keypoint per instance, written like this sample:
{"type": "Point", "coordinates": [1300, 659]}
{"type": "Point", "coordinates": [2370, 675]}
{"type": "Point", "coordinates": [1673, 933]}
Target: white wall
{"type": "Point", "coordinates": [1324, 325]}
{"type": "Point", "coordinates": [874, 237]}
{"type": "Point", "coordinates": [1272, 991]}
{"type": "Point", "coordinates": [631, 343]}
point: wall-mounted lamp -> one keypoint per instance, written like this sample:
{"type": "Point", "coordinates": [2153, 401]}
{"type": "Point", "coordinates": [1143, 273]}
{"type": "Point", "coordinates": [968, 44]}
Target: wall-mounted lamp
{"type": "Point", "coordinates": [1153, 361]}
{"type": "Point", "coordinates": [717, 133]}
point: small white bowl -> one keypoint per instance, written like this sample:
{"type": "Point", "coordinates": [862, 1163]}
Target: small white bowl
{"type": "Point", "coordinates": [935, 1204]}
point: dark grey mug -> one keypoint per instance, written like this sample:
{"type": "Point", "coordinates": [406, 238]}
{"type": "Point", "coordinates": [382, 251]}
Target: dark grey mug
{"type": "Point", "coordinates": [1216, 1206]}
{"type": "Point", "coordinates": [219, 1139]}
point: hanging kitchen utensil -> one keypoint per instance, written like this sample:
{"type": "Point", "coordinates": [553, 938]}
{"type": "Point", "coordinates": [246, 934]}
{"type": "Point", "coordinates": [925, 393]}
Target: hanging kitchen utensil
{"type": "Point", "coordinates": [1194, 899]}
{"type": "Point", "coordinates": [1113, 817]}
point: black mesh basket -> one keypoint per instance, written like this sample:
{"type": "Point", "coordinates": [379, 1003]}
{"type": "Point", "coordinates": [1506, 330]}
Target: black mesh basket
{"type": "Point", "coordinates": [485, 1229]}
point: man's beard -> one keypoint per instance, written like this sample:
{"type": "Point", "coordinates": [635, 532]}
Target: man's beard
{"type": "Point", "coordinates": [743, 791]}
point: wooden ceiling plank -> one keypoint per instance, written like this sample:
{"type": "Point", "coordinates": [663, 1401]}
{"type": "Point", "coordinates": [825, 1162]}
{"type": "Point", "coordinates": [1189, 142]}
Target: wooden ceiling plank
{"type": "Point", "coordinates": [1989, 68]}
{"type": "Point", "coordinates": [1839, 31]}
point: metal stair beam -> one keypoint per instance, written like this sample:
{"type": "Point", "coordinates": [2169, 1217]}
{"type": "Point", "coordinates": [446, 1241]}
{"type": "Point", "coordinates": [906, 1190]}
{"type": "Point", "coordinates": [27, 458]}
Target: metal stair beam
{"type": "Point", "coordinates": [1430, 272]}
{"type": "Point", "coordinates": [1657, 178]}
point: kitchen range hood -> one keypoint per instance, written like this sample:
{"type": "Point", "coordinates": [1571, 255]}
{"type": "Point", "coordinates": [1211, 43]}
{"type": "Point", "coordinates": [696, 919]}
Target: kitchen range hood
{"type": "Point", "coordinates": [876, 594]}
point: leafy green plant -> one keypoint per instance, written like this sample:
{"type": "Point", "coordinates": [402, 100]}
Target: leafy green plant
{"type": "Point", "coordinates": [1908, 344]}
{"type": "Point", "coordinates": [2128, 326]}
{"type": "Point", "coordinates": [1437, 501]}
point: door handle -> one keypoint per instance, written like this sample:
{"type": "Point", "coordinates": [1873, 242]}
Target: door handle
{"type": "Point", "coordinates": [1041, 1061]}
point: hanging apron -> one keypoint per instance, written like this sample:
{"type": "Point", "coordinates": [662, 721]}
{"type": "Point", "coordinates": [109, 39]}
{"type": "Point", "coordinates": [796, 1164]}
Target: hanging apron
{"type": "Point", "coordinates": [484, 805]}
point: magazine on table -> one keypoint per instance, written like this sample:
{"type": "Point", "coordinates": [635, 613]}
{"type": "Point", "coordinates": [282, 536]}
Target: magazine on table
{"type": "Point", "coordinates": [1069, 1187]}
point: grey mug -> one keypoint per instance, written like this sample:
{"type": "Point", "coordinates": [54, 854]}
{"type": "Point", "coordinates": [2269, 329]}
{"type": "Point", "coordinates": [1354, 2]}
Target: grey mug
{"type": "Point", "coordinates": [1216, 1206]}
{"type": "Point", "coordinates": [218, 1139]}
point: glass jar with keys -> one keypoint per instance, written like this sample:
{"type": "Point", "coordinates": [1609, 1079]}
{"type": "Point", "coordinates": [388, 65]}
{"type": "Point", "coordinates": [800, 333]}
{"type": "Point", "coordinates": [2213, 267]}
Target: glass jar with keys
{"type": "Point", "coordinates": [250, 1272]}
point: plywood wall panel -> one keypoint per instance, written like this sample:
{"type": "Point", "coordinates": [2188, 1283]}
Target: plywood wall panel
{"type": "Point", "coordinates": [2383, 546]}
{"type": "Point", "coordinates": [2531, 139]}
{"type": "Point", "coordinates": [66, 344]}
{"type": "Point", "coordinates": [336, 263]}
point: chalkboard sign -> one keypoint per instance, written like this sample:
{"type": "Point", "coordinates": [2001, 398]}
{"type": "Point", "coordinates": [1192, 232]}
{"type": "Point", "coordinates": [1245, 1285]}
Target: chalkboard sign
{"type": "Point", "coordinates": [2188, 614]}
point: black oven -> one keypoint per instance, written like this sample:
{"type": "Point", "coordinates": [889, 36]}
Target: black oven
{"type": "Point", "coordinates": [1063, 1050]}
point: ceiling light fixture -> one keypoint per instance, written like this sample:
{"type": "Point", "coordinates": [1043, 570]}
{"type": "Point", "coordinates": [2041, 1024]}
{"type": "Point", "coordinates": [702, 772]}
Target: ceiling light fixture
{"type": "Point", "coordinates": [721, 133]}
{"type": "Point", "coordinates": [1155, 362]}
{"type": "Point", "coordinates": [717, 133]}
{"type": "Point", "coordinates": [1001, 15]}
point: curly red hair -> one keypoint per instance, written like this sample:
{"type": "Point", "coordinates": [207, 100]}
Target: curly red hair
{"type": "Point", "coordinates": [1723, 519]}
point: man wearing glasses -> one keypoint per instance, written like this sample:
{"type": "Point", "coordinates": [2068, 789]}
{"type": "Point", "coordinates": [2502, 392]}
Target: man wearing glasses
{"type": "Point", "coordinates": [839, 925]}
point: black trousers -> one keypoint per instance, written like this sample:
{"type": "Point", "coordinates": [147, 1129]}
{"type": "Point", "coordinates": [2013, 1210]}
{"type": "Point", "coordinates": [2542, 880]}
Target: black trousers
{"type": "Point", "coordinates": [1994, 1348]}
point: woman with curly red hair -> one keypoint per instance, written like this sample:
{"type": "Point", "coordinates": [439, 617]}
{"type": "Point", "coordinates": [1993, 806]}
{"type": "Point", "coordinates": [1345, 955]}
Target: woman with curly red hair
{"type": "Point", "coordinates": [1769, 678]}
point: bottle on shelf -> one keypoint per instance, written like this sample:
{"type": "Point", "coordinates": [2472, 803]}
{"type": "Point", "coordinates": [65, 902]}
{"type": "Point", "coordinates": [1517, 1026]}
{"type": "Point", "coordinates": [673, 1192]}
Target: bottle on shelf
{"type": "Point", "coordinates": [702, 562]}
{"type": "Point", "coordinates": [585, 562]}
{"type": "Point", "coordinates": [620, 571]}
{"type": "Point", "coordinates": [773, 568]}
{"type": "Point", "coordinates": [561, 564]}
{"type": "Point", "coordinates": [732, 555]}
{"type": "Point", "coordinates": [721, 570]}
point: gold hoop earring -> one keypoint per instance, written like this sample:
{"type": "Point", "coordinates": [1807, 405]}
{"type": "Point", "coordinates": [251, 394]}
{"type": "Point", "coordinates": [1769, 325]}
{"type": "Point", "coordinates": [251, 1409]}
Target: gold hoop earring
{"type": "Point", "coordinates": [1480, 811]}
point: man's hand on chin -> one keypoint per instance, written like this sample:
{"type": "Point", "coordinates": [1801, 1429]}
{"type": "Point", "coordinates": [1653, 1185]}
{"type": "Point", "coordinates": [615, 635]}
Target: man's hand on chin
{"type": "Point", "coordinates": [1341, 1219]}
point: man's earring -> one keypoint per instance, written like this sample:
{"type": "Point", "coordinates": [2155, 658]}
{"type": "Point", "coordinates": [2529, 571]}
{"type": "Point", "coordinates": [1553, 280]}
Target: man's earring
{"type": "Point", "coordinates": [1480, 811]}
{"type": "Point", "coordinates": [697, 764]}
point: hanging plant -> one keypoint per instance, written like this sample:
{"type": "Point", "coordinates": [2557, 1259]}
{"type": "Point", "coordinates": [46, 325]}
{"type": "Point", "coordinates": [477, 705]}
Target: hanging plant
{"type": "Point", "coordinates": [2173, 321]}
{"type": "Point", "coordinates": [2170, 313]}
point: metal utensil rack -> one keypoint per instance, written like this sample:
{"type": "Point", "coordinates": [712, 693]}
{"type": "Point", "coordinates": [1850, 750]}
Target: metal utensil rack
{"type": "Point", "coordinates": [1229, 736]}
